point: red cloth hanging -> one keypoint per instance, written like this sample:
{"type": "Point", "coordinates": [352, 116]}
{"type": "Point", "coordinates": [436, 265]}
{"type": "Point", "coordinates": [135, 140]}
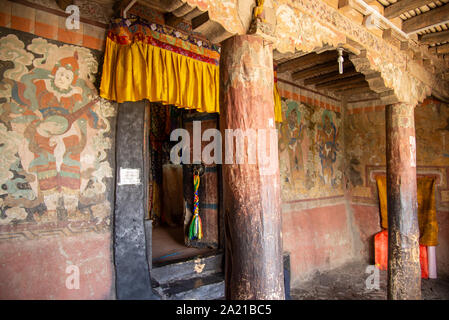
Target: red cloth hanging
{"type": "Point", "coordinates": [381, 254]}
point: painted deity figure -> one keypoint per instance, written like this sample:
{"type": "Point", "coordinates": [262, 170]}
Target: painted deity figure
{"type": "Point", "coordinates": [56, 110]}
{"type": "Point", "coordinates": [327, 144]}
{"type": "Point", "coordinates": [292, 136]}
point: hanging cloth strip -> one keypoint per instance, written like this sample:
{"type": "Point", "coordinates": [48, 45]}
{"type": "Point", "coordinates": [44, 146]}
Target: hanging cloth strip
{"type": "Point", "coordinates": [427, 221]}
{"type": "Point", "coordinates": [196, 228]}
{"type": "Point", "coordinates": [150, 61]}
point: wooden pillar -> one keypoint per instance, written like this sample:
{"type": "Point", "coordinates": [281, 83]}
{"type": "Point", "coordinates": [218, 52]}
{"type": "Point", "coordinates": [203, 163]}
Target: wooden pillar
{"type": "Point", "coordinates": [404, 272]}
{"type": "Point", "coordinates": [133, 280]}
{"type": "Point", "coordinates": [251, 197]}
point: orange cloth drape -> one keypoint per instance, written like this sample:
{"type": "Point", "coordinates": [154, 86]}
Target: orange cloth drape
{"type": "Point", "coordinates": [428, 226]}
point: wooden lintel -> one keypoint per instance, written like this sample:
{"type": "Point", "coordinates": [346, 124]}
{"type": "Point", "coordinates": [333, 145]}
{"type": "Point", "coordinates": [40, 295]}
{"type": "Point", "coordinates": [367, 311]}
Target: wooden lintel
{"type": "Point", "coordinates": [427, 19]}
{"type": "Point", "coordinates": [319, 69]}
{"type": "Point", "coordinates": [396, 9]}
{"type": "Point", "coordinates": [435, 37]}
{"type": "Point", "coordinates": [307, 60]}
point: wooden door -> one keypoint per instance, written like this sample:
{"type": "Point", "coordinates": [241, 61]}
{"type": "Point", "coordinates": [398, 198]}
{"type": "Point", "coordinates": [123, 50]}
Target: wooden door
{"type": "Point", "coordinates": [208, 190]}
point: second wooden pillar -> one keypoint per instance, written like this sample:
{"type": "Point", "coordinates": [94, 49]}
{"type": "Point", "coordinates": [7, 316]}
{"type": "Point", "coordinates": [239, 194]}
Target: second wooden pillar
{"type": "Point", "coordinates": [404, 272]}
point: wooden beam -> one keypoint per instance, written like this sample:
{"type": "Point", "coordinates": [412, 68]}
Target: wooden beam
{"type": "Point", "coordinates": [193, 14]}
{"type": "Point", "coordinates": [360, 78]}
{"type": "Point", "coordinates": [182, 10]}
{"type": "Point", "coordinates": [200, 20]}
{"type": "Point", "coordinates": [349, 9]}
{"type": "Point", "coordinates": [306, 61]}
{"type": "Point", "coordinates": [352, 91]}
{"type": "Point", "coordinates": [396, 9]}
{"type": "Point", "coordinates": [349, 86]}
{"type": "Point", "coordinates": [432, 17]}
{"type": "Point", "coordinates": [391, 37]}
{"type": "Point", "coordinates": [331, 76]}
{"type": "Point", "coordinates": [319, 69]}
{"type": "Point", "coordinates": [435, 37]}
{"type": "Point", "coordinates": [443, 49]}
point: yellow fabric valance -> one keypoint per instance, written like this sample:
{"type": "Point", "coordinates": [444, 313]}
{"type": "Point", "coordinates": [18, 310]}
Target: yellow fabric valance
{"type": "Point", "coordinates": [428, 225]}
{"type": "Point", "coordinates": [142, 71]}
{"type": "Point", "coordinates": [160, 64]}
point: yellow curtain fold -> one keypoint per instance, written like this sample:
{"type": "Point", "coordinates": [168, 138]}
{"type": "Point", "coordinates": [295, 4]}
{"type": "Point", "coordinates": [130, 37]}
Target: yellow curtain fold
{"type": "Point", "coordinates": [149, 61]}
{"type": "Point", "coordinates": [428, 226]}
{"type": "Point", "coordinates": [142, 71]}
{"type": "Point", "coordinates": [277, 104]}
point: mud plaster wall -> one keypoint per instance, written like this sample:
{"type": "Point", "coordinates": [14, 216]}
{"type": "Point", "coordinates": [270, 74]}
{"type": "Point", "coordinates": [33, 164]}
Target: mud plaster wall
{"type": "Point", "coordinates": [56, 171]}
{"type": "Point", "coordinates": [316, 225]}
{"type": "Point", "coordinates": [365, 154]}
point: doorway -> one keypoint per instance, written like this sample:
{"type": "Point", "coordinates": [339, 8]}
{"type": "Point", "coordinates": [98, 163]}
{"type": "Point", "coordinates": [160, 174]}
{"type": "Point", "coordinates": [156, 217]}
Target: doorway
{"type": "Point", "coordinates": [171, 191]}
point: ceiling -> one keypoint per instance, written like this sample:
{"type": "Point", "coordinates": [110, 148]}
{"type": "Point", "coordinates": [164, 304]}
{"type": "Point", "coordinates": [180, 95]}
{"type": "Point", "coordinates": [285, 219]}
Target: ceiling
{"type": "Point", "coordinates": [429, 20]}
{"type": "Point", "coordinates": [175, 11]}
{"type": "Point", "coordinates": [320, 71]}
{"type": "Point", "coordinates": [420, 27]}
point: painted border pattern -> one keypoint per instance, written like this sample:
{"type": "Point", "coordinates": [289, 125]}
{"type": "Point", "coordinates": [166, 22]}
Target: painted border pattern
{"type": "Point", "coordinates": [50, 23]}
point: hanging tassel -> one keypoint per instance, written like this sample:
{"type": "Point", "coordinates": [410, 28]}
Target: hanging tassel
{"type": "Point", "coordinates": [196, 228]}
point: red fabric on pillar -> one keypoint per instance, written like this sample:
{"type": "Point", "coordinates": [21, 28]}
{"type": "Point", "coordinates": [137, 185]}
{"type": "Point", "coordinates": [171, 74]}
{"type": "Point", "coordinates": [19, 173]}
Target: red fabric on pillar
{"type": "Point", "coordinates": [381, 254]}
{"type": "Point", "coordinates": [424, 262]}
{"type": "Point", "coordinates": [381, 250]}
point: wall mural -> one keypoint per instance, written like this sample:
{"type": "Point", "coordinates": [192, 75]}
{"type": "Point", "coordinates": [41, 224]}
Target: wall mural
{"type": "Point", "coordinates": [54, 136]}
{"type": "Point", "coordinates": [365, 149]}
{"type": "Point", "coordinates": [309, 147]}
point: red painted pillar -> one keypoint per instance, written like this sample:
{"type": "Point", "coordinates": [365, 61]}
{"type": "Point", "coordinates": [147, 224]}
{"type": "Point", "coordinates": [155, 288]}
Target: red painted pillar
{"type": "Point", "coordinates": [404, 272]}
{"type": "Point", "coordinates": [254, 268]}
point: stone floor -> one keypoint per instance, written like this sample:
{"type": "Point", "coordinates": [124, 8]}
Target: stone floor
{"type": "Point", "coordinates": [349, 283]}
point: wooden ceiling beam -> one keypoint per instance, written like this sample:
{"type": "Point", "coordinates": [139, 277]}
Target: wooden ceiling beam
{"type": "Point", "coordinates": [307, 60]}
{"type": "Point", "coordinates": [349, 72]}
{"type": "Point", "coordinates": [427, 19]}
{"type": "Point", "coordinates": [396, 9]}
{"type": "Point", "coordinates": [443, 49]}
{"type": "Point", "coordinates": [200, 20]}
{"type": "Point", "coordinates": [351, 87]}
{"type": "Point", "coordinates": [352, 91]}
{"type": "Point", "coordinates": [358, 79]}
{"type": "Point", "coordinates": [434, 37]}
{"type": "Point", "coordinates": [182, 10]}
{"type": "Point", "coordinates": [319, 69]}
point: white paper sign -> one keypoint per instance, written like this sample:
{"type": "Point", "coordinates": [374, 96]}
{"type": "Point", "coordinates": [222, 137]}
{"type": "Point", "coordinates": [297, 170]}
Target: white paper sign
{"type": "Point", "coordinates": [129, 176]}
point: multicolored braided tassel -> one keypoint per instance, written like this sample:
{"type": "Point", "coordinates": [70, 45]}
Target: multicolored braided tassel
{"type": "Point", "coordinates": [196, 228]}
